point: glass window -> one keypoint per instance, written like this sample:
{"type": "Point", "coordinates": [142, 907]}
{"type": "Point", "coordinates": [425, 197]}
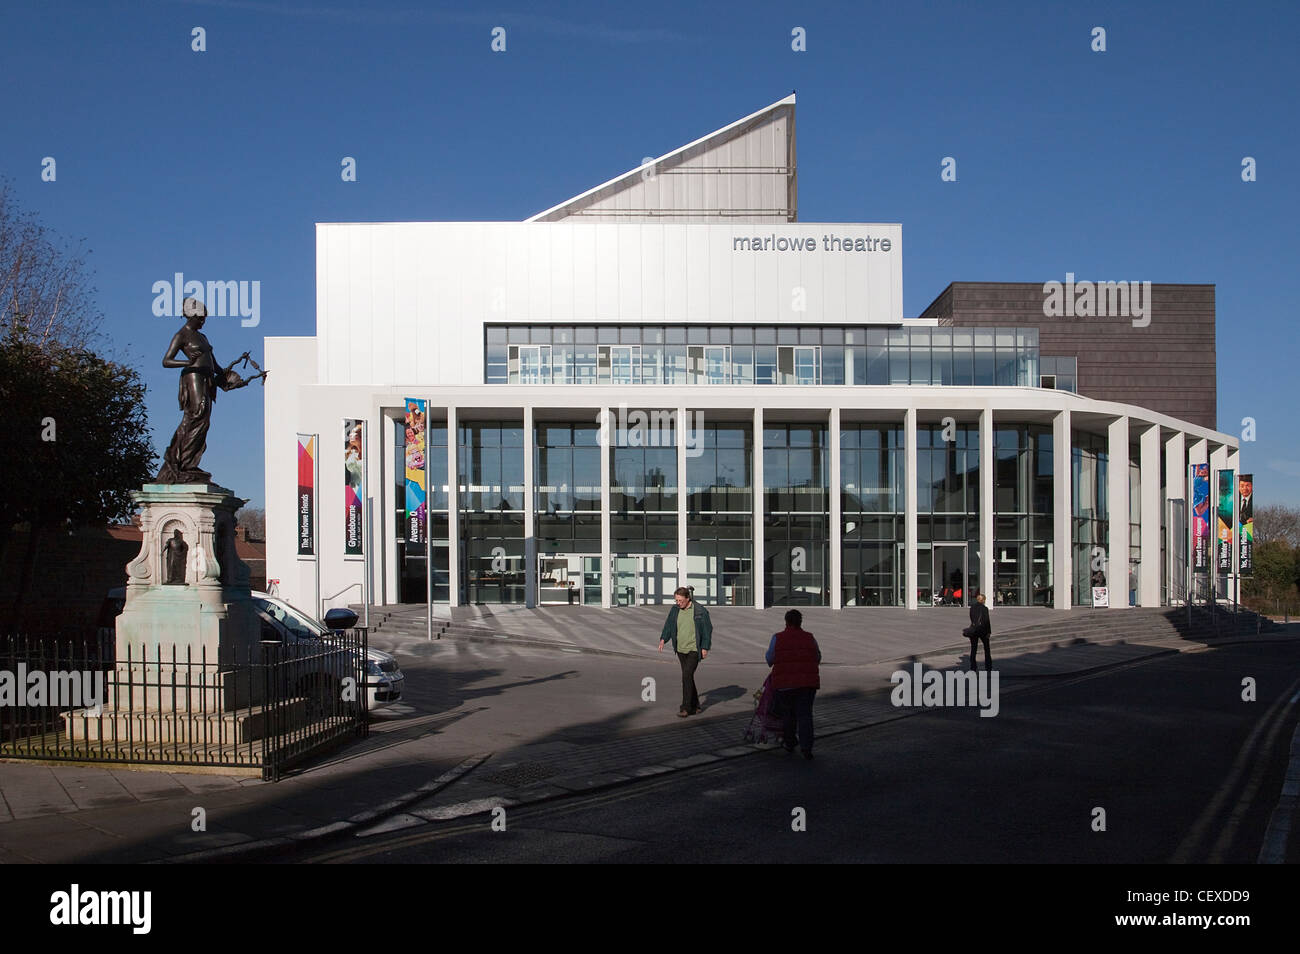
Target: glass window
{"type": "Point", "coordinates": [765, 364]}
{"type": "Point", "coordinates": [900, 360]}
{"type": "Point", "coordinates": [985, 368]}
{"type": "Point", "coordinates": [941, 355]}
{"type": "Point", "coordinates": [920, 347]}
{"type": "Point", "coordinates": [742, 364]}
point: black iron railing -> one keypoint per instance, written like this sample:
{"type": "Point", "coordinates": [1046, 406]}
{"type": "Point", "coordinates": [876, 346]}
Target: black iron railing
{"type": "Point", "coordinates": [262, 706]}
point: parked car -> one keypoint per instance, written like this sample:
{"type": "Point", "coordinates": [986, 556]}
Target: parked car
{"type": "Point", "coordinates": [294, 629]}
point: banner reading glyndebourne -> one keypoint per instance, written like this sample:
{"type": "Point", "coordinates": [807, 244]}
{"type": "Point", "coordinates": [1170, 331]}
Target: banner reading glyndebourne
{"type": "Point", "coordinates": [1201, 518]}
{"type": "Point", "coordinates": [415, 471]}
{"type": "Point", "coordinates": [1223, 557]}
{"type": "Point", "coordinates": [354, 432]}
{"type": "Point", "coordinates": [306, 494]}
{"type": "Point", "coordinates": [1246, 522]}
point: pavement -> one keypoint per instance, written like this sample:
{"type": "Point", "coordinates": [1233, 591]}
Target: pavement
{"type": "Point", "coordinates": [555, 704]}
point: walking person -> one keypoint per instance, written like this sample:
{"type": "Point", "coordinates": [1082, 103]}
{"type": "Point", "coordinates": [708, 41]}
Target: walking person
{"type": "Point", "coordinates": [794, 657]}
{"type": "Point", "coordinates": [979, 629]}
{"type": "Point", "coordinates": [690, 631]}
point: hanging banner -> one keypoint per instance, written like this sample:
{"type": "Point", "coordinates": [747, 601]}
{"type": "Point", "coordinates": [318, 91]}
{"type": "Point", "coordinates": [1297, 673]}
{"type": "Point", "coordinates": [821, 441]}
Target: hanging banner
{"type": "Point", "coordinates": [1200, 518]}
{"type": "Point", "coordinates": [1246, 522]}
{"type": "Point", "coordinates": [1226, 523]}
{"type": "Point", "coordinates": [416, 467]}
{"type": "Point", "coordinates": [306, 495]}
{"type": "Point", "coordinates": [353, 468]}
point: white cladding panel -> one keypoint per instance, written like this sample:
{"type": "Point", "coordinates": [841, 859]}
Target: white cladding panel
{"type": "Point", "coordinates": [405, 303]}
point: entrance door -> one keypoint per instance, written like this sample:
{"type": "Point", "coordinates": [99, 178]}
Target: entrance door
{"type": "Point", "coordinates": [560, 580]}
{"type": "Point", "coordinates": [948, 573]}
{"type": "Point", "coordinates": [924, 574]}
{"type": "Point", "coordinates": [644, 578]}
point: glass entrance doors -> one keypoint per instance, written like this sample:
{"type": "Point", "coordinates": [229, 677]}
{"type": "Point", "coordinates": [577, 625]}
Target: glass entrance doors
{"type": "Point", "coordinates": [948, 573]}
{"type": "Point", "coordinates": [942, 570]}
{"type": "Point", "coordinates": [641, 578]}
{"type": "Point", "coordinates": [571, 579]}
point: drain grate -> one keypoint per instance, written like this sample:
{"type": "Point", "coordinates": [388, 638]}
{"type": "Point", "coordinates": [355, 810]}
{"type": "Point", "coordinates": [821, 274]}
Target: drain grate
{"type": "Point", "coordinates": [522, 774]}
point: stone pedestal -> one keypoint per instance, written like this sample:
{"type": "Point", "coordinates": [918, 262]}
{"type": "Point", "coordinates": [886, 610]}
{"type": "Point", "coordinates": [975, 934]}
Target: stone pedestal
{"type": "Point", "coordinates": [188, 630]}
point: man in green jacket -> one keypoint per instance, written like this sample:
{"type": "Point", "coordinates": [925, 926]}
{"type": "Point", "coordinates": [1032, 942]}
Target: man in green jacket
{"type": "Point", "coordinates": [689, 630]}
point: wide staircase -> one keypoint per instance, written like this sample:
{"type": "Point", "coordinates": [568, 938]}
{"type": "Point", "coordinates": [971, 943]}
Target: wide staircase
{"type": "Point", "coordinates": [1109, 627]}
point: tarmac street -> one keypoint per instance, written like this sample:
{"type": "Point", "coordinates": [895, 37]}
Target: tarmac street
{"type": "Point", "coordinates": [551, 721]}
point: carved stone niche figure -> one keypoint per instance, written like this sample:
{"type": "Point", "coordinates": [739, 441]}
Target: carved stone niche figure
{"type": "Point", "coordinates": [174, 562]}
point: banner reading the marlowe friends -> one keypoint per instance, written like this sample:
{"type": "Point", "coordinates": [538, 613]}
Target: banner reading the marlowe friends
{"type": "Point", "coordinates": [353, 456]}
{"type": "Point", "coordinates": [415, 471]}
{"type": "Point", "coordinates": [1200, 518]}
{"type": "Point", "coordinates": [1246, 522]}
{"type": "Point", "coordinates": [1223, 555]}
{"type": "Point", "coordinates": [306, 495]}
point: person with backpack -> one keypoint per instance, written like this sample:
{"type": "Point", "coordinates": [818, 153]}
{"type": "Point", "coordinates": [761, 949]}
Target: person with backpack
{"type": "Point", "coordinates": [690, 631]}
{"type": "Point", "coordinates": [795, 659]}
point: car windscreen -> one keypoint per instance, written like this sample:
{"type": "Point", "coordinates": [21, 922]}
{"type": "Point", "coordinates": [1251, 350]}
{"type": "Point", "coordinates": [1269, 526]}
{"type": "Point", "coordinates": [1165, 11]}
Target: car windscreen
{"type": "Point", "coordinates": [289, 618]}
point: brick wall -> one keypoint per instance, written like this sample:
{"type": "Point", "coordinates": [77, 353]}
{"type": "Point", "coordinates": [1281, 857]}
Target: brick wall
{"type": "Point", "coordinates": [1168, 366]}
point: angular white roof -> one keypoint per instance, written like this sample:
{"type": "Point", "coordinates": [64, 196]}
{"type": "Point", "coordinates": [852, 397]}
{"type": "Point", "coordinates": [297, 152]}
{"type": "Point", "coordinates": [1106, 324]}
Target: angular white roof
{"type": "Point", "coordinates": [743, 172]}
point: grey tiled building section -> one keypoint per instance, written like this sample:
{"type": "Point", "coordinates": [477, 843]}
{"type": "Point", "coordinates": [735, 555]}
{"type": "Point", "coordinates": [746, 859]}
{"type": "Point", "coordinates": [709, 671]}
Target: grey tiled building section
{"type": "Point", "coordinates": [1168, 366]}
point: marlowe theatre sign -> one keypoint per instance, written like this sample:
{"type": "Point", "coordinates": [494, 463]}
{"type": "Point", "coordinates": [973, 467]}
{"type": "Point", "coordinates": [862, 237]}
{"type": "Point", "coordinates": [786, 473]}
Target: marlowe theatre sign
{"type": "Point", "coordinates": [808, 243]}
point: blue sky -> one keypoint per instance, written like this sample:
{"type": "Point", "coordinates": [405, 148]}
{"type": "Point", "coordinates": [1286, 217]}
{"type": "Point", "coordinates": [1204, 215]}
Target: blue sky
{"type": "Point", "coordinates": [1117, 165]}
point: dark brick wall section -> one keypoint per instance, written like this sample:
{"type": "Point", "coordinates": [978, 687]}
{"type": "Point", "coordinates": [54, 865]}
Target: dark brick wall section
{"type": "Point", "coordinates": [1168, 366]}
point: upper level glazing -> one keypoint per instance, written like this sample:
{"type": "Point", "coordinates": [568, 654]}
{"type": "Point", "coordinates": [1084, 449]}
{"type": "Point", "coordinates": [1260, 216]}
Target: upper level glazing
{"type": "Point", "coordinates": [752, 354]}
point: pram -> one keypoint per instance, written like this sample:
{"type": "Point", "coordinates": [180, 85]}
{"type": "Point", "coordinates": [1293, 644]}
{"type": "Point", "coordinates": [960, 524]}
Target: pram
{"type": "Point", "coordinates": [765, 726]}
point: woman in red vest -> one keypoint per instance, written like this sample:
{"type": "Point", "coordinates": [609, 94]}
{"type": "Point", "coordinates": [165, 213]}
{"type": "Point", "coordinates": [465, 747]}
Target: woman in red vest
{"type": "Point", "coordinates": [794, 657]}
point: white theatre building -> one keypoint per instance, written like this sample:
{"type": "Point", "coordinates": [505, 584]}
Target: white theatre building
{"type": "Point", "coordinates": [778, 432]}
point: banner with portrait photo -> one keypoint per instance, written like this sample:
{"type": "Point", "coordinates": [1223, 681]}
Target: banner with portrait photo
{"type": "Point", "coordinates": [1200, 518]}
{"type": "Point", "coordinates": [1226, 521]}
{"type": "Point", "coordinates": [1246, 522]}
{"type": "Point", "coordinates": [306, 506]}
{"type": "Point", "coordinates": [416, 471]}
{"type": "Point", "coordinates": [354, 436]}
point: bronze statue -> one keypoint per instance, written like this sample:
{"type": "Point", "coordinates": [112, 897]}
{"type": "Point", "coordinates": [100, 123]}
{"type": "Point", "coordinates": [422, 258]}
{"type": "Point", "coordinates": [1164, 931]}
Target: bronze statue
{"type": "Point", "coordinates": [174, 552]}
{"type": "Point", "coordinates": [201, 377]}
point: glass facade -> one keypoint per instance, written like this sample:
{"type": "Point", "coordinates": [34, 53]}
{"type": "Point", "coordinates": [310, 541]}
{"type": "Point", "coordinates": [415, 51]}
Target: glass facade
{"type": "Point", "coordinates": [1062, 374]}
{"type": "Point", "coordinates": [720, 515]}
{"type": "Point", "coordinates": [796, 525]}
{"type": "Point", "coordinates": [566, 472]}
{"type": "Point", "coordinates": [490, 464]}
{"type": "Point", "coordinates": [646, 562]}
{"type": "Point", "coordinates": [872, 510]}
{"type": "Point", "coordinates": [767, 354]}
{"type": "Point", "coordinates": [948, 509]}
{"type": "Point", "coordinates": [643, 507]}
{"type": "Point", "coordinates": [1091, 533]}
{"type": "Point", "coordinates": [1023, 534]}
